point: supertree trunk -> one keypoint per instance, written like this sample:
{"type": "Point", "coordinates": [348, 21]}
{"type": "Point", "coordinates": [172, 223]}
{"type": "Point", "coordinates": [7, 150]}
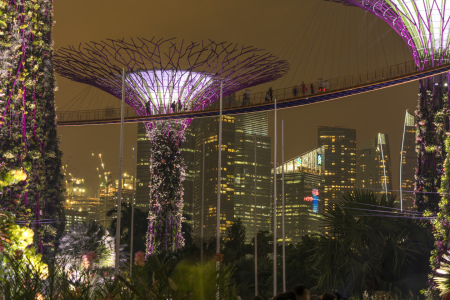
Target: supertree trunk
{"type": "Point", "coordinates": [28, 138]}
{"type": "Point", "coordinates": [167, 173]}
{"type": "Point", "coordinates": [431, 127]}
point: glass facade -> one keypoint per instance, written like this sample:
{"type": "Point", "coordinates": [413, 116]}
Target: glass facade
{"type": "Point", "coordinates": [248, 128]}
{"type": "Point", "coordinates": [206, 131]}
{"type": "Point", "coordinates": [409, 162]}
{"type": "Point", "coordinates": [374, 170]}
{"type": "Point", "coordinates": [303, 189]}
{"type": "Point", "coordinates": [340, 161]}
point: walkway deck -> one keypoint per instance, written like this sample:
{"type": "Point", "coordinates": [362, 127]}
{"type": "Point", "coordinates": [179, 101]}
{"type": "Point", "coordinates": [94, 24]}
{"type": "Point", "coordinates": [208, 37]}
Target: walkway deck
{"type": "Point", "coordinates": [325, 90]}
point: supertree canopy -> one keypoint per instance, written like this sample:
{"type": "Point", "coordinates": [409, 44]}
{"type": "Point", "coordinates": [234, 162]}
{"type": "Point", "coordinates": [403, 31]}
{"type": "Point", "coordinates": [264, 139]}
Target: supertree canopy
{"type": "Point", "coordinates": [30, 160]}
{"type": "Point", "coordinates": [166, 76]}
{"type": "Point", "coordinates": [424, 26]}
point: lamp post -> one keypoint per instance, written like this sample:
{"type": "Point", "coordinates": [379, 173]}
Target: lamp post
{"type": "Point", "coordinates": [119, 197]}
{"type": "Point", "coordinates": [255, 228]}
{"type": "Point", "coordinates": [132, 209]}
{"type": "Point", "coordinates": [275, 205]}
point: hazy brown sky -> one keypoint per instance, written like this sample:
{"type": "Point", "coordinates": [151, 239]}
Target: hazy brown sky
{"type": "Point", "coordinates": [318, 38]}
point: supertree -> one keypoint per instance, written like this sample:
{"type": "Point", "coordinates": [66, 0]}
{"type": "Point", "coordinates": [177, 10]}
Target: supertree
{"type": "Point", "coordinates": [424, 26]}
{"type": "Point", "coordinates": [166, 76]}
{"type": "Point", "coordinates": [30, 161]}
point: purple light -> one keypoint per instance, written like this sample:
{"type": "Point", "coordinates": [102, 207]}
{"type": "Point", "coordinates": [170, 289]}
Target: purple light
{"type": "Point", "coordinates": [423, 25]}
{"type": "Point", "coordinates": [162, 89]}
{"type": "Point", "coordinates": [169, 67]}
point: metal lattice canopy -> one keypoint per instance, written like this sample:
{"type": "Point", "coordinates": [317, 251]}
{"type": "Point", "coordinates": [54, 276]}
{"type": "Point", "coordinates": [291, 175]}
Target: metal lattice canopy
{"type": "Point", "coordinates": [423, 25]}
{"type": "Point", "coordinates": [164, 75]}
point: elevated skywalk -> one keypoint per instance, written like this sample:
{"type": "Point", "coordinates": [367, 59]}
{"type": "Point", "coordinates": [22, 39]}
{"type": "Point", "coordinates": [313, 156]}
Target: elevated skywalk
{"type": "Point", "coordinates": [320, 91]}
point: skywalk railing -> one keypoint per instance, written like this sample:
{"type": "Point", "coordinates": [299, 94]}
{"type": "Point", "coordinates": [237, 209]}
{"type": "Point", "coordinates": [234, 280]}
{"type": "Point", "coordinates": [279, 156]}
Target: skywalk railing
{"type": "Point", "coordinates": [248, 99]}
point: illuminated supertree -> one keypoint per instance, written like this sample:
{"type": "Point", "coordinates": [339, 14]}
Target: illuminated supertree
{"type": "Point", "coordinates": [424, 26]}
{"type": "Point", "coordinates": [166, 76]}
{"type": "Point", "coordinates": [31, 183]}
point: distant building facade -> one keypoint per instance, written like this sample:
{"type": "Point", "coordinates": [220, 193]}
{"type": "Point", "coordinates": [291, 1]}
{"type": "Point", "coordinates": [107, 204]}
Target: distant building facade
{"type": "Point", "coordinates": [409, 163]}
{"type": "Point", "coordinates": [206, 132]}
{"type": "Point", "coordinates": [340, 161]}
{"type": "Point", "coordinates": [248, 129]}
{"type": "Point", "coordinates": [79, 208]}
{"type": "Point", "coordinates": [303, 195]}
{"type": "Point", "coordinates": [374, 170]}
{"type": "Point", "coordinates": [143, 168]}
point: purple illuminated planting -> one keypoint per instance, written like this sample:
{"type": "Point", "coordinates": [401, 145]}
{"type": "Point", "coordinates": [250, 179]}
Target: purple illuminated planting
{"type": "Point", "coordinates": [166, 76]}
{"type": "Point", "coordinates": [424, 26]}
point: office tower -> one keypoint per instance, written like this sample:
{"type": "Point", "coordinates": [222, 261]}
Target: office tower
{"type": "Point", "coordinates": [188, 151]}
{"type": "Point", "coordinates": [408, 163]}
{"type": "Point", "coordinates": [143, 169]}
{"type": "Point", "coordinates": [206, 131]}
{"type": "Point", "coordinates": [247, 127]}
{"type": "Point", "coordinates": [303, 189]}
{"type": "Point", "coordinates": [373, 161]}
{"type": "Point", "coordinates": [340, 161]}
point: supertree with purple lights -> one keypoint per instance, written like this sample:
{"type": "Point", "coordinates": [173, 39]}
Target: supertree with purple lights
{"type": "Point", "coordinates": [31, 182]}
{"type": "Point", "coordinates": [424, 26]}
{"type": "Point", "coordinates": [167, 76]}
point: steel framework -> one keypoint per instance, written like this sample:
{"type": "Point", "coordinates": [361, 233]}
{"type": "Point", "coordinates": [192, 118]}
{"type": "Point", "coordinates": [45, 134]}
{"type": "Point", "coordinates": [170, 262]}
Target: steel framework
{"type": "Point", "coordinates": [167, 76]}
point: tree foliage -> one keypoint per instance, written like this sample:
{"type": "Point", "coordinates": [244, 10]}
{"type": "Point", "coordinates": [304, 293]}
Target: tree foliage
{"type": "Point", "coordinates": [86, 239]}
{"type": "Point", "coordinates": [367, 246]}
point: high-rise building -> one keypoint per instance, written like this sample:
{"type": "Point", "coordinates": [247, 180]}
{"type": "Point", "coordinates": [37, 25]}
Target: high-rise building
{"type": "Point", "coordinates": [188, 151]}
{"type": "Point", "coordinates": [303, 189]}
{"type": "Point", "coordinates": [373, 161]}
{"type": "Point", "coordinates": [206, 132]}
{"type": "Point", "coordinates": [248, 128]}
{"type": "Point", "coordinates": [409, 163]}
{"type": "Point", "coordinates": [340, 161]}
{"type": "Point", "coordinates": [143, 168]}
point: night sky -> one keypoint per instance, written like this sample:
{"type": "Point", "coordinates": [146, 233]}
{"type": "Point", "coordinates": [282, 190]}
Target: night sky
{"type": "Point", "coordinates": [318, 38]}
